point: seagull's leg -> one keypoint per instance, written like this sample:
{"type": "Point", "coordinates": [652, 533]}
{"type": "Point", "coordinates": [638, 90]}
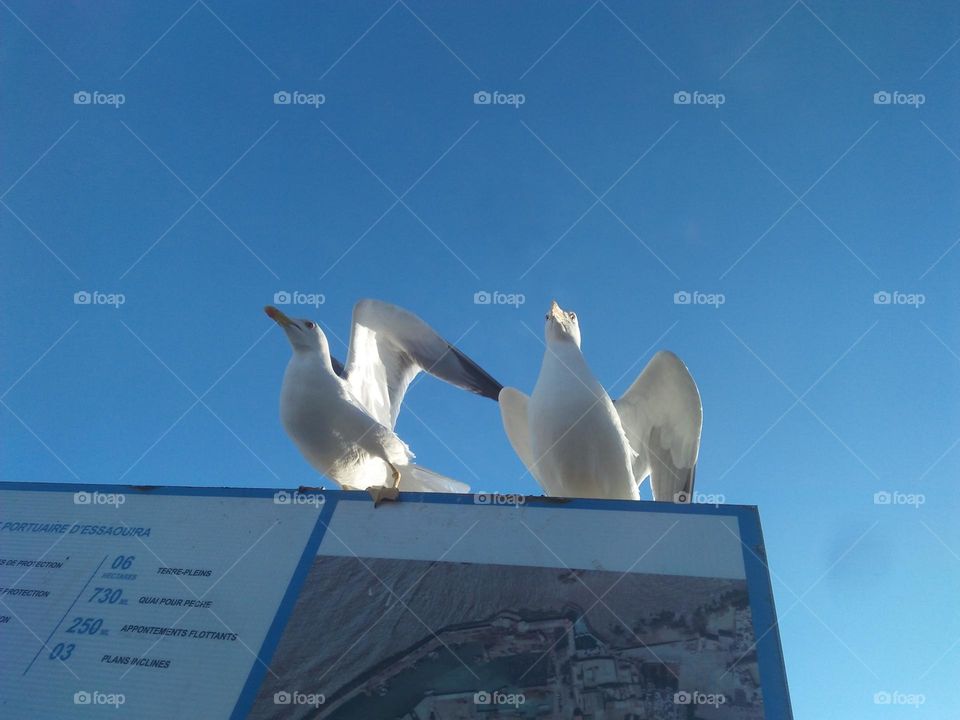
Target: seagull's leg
{"type": "Point", "coordinates": [379, 493]}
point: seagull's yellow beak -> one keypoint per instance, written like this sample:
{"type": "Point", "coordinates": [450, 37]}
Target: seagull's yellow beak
{"type": "Point", "coordinates": [278, 317]}
{"type": "Point", "coordinates": [556, 312]}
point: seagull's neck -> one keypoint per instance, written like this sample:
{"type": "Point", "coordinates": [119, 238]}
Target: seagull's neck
{"type": "Point", "coordinates": [566, 355]}
{"type": "Point", "coordinates": [312, 360]}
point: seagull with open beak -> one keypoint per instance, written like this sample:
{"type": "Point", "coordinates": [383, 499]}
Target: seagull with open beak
{"type": "Point", "coordinates": [342, 418]}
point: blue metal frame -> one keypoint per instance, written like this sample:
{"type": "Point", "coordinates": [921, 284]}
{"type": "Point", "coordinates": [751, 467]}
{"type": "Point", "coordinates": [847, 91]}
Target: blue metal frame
{"type": "Point", "coordinates": [773, 679]}
{"type": "Point", "coordinates": [272, 639]}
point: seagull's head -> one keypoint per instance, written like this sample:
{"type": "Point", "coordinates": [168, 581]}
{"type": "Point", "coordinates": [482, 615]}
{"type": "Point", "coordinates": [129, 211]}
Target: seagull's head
{"type": "Point", "coordinates": [562, 325]}
{"type": "Point", "coordinates": [304, 335]}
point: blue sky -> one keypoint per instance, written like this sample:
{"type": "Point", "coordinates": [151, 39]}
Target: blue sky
{"type": "Point", "coordinates": [797, 200]}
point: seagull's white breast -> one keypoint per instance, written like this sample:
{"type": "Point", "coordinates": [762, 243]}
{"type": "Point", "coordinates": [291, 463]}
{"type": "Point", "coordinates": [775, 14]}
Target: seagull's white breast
{"type": "Point", "coordinates": [335, 434]}
{"type": "Point", "coordinates": [575, 431]}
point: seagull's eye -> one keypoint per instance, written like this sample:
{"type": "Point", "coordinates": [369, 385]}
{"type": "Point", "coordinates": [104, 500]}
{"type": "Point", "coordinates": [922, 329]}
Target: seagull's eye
{"type": "Point", "coordinates": [573, 315]}
{"type": "Point", "coordinates": [309, 325]}
{"type": "Point", "coordinates": [547, 316]}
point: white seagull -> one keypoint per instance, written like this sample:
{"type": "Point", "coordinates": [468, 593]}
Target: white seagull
{"type": "Point", "coordinates": [342, 418]}
{"type": "Point", "coordinates": [577, 442]}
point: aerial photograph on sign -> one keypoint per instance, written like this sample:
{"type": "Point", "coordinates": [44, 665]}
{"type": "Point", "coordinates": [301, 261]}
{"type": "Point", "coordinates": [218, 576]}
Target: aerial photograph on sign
{"type": "Point", "coordinates": [417, 640]}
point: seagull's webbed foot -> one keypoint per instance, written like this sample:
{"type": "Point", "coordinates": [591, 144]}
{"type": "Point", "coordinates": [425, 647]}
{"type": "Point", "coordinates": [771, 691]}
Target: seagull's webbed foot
{"type": "Point", "coordinates": [379, 493]}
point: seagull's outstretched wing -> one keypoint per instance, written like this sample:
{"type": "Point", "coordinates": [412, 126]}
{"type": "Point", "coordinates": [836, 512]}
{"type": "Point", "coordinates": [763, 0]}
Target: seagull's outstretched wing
{"type": "Point", "coordinates": [513, 411]}
{"type": "Point", "coordinates": [662, 416]}
{"type": "Point", "coordinates": [389, 346]}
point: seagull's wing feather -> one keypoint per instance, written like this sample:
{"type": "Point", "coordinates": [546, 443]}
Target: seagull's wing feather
{"type": "Point", "coordinates": [662, 416]}
{"type": "Point", "coordinates": [389, 346]}
{"type": "Point", "coordinates": [513, 411]}
{"type": "Point", "coordinates": [417, 478]}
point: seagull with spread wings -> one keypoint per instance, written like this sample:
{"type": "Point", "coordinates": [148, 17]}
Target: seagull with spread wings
{"type": "Point", "coordinates": [342, 417]}
{"type": "Point", "coordinates": [577, 442]}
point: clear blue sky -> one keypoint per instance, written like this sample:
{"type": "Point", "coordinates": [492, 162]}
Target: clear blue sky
{"type": "Point", "coordinates": [797, 199]}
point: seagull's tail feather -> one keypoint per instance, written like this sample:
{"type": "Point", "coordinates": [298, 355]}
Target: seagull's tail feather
{"type": "Point", "coordinates": [415, 478]}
